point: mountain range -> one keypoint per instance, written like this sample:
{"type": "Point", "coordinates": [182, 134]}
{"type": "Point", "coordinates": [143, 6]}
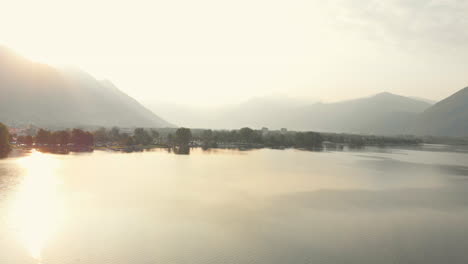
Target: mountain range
{"type": "Point", "coordinates": [381, 114]}
{"type": "Point", "coordinates": [34, 93]}
{"type": "Point", "coordinates": [384, 113]}
{"type": "Point", "coordinates": [38, 94]}
{"type": "Point", "coordinates": [448, 117]}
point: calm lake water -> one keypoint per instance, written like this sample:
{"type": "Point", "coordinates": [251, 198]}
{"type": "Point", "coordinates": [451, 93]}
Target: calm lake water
{"type": "Point", "coordinates": [226, 206]}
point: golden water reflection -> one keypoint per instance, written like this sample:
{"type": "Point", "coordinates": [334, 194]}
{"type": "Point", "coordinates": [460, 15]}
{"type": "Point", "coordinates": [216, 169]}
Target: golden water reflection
{"type": "Point", "coordinates": [37, 209]}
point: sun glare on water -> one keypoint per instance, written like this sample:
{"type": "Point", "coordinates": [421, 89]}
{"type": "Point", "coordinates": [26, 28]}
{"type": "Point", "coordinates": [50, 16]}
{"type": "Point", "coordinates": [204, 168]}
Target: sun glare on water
{"type": "Point", "coordinates": [36, 211]}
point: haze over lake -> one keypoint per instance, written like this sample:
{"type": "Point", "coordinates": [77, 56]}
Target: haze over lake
{"type": "Point", "coordinates": [375, 205]}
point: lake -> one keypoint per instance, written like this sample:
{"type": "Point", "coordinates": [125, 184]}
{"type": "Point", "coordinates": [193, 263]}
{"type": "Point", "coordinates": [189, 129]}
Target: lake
{"type": "Point", "coordinates": [375, 205]}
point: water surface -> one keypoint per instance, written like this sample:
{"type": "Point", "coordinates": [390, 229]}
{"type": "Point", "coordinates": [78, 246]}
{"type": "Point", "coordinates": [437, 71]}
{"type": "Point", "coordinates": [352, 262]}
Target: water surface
{"type": "Point", "coordinates": [226, 206]}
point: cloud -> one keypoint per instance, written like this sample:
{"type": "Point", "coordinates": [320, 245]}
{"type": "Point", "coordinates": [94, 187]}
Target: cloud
{"type": "Point", "coordinates": [411, 24]}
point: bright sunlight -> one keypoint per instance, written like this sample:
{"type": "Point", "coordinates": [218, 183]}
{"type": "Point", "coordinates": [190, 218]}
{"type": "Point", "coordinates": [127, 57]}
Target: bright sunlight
{"type": "Point", "coordinates": [36, 211]}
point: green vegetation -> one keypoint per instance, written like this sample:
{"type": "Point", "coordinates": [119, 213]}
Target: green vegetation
{"type": "Point", "coordinates": [142, 137]}
{"type": "Point", "coordinates": [183, 136]}
{"type": "Point", "coordinates": [74, 139]}
{"type": "Point", "coordinates": [180, 140]}
{"type": "Point", "coordinates": [113, 136]}
{"type": "Point", "coordinates": [357, 141]}
{"type": "Point", "coordinates": [249, 138]}
{"type": "Point", "coordinates": [4, 141]}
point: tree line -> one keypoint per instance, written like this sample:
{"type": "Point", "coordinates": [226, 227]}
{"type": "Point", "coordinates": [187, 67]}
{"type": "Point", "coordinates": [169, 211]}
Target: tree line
{"type": "Point", "coordinates": [354, 140]}
{"type": "Point", "coordinates": [295, 139]}
{"type": "Point", "coordinates": [181, 139]}
{"type": "Point", "coordinates": [178, 140]}
{"type": "Point", "coordinates": [244, 137]}
{"type": "Point", "coordinates": [43, 137]}
{"type": "Point", "coordinates": [141, 136]}
{"type": "Point", "coordinates": [258, 138]}
{"type": "Point", "coordinates": [5, 147]}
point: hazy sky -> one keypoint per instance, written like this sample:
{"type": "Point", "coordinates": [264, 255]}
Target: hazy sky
{"type": "Point", "coordinates": [216, 52]}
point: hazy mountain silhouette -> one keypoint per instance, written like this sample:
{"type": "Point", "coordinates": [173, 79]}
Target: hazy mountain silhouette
{"type": "Point", "coordinates": [448, 117]}
{"type": "Point", "coordinates": [384, 113]}
{"type": "Point", "coordinates": [429, 101]}
{"type": "Point", "coordinates": [256, 112]}
{"type": "Point", "coordinates": [34, 93]}
{"type": "Point", "coordinates": [272, 112]}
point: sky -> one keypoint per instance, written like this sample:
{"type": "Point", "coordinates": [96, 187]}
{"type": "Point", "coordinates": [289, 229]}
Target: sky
{"type": "Point", "coordinates": [214, 52]}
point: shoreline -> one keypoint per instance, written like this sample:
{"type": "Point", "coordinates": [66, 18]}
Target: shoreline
{"type": "Point", "coordinates": [19, 151]}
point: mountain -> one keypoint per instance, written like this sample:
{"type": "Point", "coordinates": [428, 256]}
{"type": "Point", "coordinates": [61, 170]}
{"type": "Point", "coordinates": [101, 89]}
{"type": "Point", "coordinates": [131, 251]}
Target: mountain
{"type": "Point", "coordinates": [271, 111]}
{"type": "Point", "coordinates": [255, 112]}
{"type": "Point", "coordinates": [34, 93]}
{"type": "Point", "coordinates": [429, 101]}
{"type": "Point", "coordinates": [384, 113]}
{"type": "Point", "coordinates": [448, 117]}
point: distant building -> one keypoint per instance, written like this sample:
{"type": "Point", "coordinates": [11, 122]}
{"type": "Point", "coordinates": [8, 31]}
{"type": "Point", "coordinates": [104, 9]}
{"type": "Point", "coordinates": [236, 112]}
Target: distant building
{"type": "Point", "coordinates": [284, 130]}
{"type": "Point", "coordinates": [264, 130]}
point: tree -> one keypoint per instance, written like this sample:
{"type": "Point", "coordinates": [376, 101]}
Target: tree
{"type": "Point", "coordinates": [101, 135]}
{"type": "Point", "coordinates": [42, 136]}
{"type": "Point", "coordinates": [207, 135]}
{"type": "Point", "coordinates": [81, 138]}
{"type": "Point", "coordinates": [183, 136]}
{"type": "Point", "coordinates": [155, 135]}
{"type": "Point", "coordinates": [28, 140]}
{"type": "Point", "coordinates": [142, 137]}
{"type": "Point", "coordinates": [5, 147]}
{"type": "Point", "coordinates": [246, 134]}
{"type": "Point", "coordinates": [61, 137]}
{"type": "Point", "coordinates": [170, 139]}
{"type": "Point", "coordinates": [124, 139]}
{"type": "Point", "coordinates": [129, 141]}
{"type": "Point", "coordinates": [308, 140]}
{"type": "Point", "coordinates": [114, 133]}
{"type": "Point", "coordinates": [208, 139]}
{"type": "Point", "coordinates": [356, 142]}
